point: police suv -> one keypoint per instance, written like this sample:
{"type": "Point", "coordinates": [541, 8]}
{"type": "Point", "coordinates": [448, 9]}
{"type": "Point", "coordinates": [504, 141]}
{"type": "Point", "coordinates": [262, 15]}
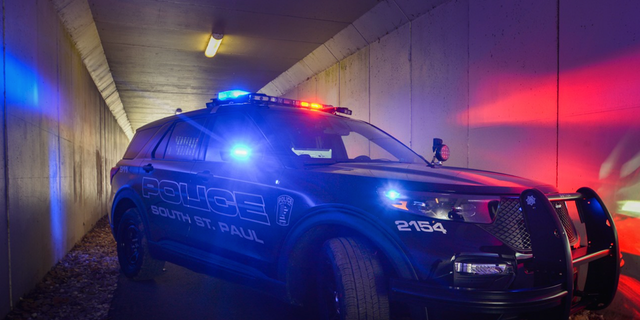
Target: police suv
{"type": "Point", "coordinates": [331, 213]}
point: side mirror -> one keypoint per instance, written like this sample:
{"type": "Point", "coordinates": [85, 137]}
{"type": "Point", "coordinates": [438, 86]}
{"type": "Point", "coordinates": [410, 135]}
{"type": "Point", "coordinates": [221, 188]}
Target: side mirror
{"type": "Point", "coordinates": [441, 151]}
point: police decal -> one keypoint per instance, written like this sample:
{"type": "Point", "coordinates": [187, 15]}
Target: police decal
{"type": "Point", "coordinates": [245, 206]}
{"type": "Point", "coordinates": [283, 210]}
{"type": "Point", "coordinates": [531, 200]}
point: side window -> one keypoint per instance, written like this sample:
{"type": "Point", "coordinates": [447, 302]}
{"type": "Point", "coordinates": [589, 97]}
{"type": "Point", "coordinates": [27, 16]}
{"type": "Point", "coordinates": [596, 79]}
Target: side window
{"type": "Point", "coordinates": [230, 130]}
{"type": "Point", "coordinates": [158, 153]}
{"type": "Point", "coordinates": [139, 140]}
{"type": "Point", "coordinates": [163, 134]}
{"type": "Point", "coordinates": [181, 141]}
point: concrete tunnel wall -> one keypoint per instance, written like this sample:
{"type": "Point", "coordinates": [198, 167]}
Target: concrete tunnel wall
{"type": "Point", "coordinates": [547, 89]}
{"type": "Point", "coordinates": [59, 142]}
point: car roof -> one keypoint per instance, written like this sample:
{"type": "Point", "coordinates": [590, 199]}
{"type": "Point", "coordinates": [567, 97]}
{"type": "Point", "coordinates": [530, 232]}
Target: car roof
{"type": "Point", "coordinates": [234, 108]}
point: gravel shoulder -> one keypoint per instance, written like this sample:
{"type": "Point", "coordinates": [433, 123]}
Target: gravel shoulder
{"type": "Point", "coordinates": [80, 286]}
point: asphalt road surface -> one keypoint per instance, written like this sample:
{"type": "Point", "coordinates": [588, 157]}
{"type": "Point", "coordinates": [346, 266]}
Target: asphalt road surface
{"type": "Point", "coordinates": [180, 293]}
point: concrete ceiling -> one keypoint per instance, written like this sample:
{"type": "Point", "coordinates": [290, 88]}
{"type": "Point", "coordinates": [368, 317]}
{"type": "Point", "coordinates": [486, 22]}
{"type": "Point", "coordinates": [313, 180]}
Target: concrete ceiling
{"type": "Point", "coordinates": [155, 48]}
{"type": "Point", "coordinates": [146, 57]}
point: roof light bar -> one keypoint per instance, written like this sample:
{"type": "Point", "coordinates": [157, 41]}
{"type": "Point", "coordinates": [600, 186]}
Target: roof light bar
{"type": "Point", "coordinates": [241, 97]}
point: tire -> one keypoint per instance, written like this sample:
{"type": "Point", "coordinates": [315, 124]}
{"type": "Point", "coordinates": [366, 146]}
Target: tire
{"type": "Point", "coordinates": [133, 249]}
{"type": "Point", "coordinates": [351, 283]}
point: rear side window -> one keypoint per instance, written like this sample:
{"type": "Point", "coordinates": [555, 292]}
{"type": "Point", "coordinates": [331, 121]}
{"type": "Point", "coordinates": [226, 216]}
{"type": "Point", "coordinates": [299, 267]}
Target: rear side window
{"type": "Point", "coordinates": [181, 143]}
{"type": "Point", "coordinates": [139, 140]}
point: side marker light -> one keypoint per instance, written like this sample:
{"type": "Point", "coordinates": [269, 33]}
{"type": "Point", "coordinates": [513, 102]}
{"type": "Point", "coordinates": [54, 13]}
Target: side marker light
{"type": "Point", "coordinates": [113, 172]}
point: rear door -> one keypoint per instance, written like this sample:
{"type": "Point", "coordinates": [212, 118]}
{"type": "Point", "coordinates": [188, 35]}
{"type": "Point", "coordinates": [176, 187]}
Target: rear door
{"type": "Point", "coordinates": [166, 173]}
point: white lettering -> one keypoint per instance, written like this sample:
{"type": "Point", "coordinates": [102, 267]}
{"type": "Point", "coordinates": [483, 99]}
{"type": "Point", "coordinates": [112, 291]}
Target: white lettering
{"type": "Point", "coordinates": [246, 206]}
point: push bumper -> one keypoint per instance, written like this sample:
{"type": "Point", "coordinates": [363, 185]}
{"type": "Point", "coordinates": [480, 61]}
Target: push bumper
{"type": "Point", "coordinates": [478, 301]}
{"type": "Point", "coordinates": [554, 266]}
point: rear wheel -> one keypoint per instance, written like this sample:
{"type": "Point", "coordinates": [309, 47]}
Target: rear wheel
{"type": "Point", "coordinates": [351, 282]}
{"type": "Point", "coordinates": [133, 248]}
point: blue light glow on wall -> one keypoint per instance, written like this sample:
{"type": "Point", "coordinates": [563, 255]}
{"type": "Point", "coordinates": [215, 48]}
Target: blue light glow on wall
{"type": "Point", "coordinates": [57, 216]}
{"type": "Point", "coordinates": [32, 96]}
{"type": "Point", "coordinates": [21, 84]}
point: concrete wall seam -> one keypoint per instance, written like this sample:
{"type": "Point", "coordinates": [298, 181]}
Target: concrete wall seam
{"type": "Point", "coordinates": [558, 94]}
{"type": "Point", "coordinates": [7, 295]}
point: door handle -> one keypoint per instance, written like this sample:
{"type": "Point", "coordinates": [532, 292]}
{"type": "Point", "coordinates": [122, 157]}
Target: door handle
{"type": "Point", "coordinates": [204, 175]}
{"type": "Point", "coordinates": [147, 168]}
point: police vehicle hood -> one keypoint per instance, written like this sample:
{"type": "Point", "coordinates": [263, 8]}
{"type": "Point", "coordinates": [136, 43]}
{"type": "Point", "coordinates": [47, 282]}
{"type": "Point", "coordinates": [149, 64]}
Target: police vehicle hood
{"type": "Point", "coordinates": [440, 178]}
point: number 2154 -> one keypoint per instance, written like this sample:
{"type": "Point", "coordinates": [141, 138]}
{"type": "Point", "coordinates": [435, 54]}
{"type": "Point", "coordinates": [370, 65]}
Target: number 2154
{"type": "Point", "coordinates": [420, 226]}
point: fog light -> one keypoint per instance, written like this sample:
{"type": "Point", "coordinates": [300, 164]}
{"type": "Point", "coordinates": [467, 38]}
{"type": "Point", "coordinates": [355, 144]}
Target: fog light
{"type": "Point", "coordinates": [484, 268]}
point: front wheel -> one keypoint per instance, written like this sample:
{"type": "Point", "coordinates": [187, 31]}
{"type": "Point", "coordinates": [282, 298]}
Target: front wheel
{"type": "Point", "coordinates": [351, 282]}
{"type": "Point", "coordinates": [133, 249]}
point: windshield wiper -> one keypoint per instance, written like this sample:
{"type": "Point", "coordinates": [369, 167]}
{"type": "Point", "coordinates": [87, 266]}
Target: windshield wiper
{"type": "Point", "coordinates": [327, 162]}
{"type": "Point", "coordinates": [368, 161]}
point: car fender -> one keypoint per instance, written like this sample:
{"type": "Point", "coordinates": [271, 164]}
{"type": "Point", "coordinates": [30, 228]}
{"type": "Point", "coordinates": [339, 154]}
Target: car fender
{"type": "Point", "coordinates": [338, 215]}
{"type": "Point", "coordinates": [127, 193]}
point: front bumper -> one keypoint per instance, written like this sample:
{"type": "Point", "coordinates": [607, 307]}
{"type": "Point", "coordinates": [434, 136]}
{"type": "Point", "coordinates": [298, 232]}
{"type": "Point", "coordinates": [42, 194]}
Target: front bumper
{"type": "Point", "coordinates": [477, 301]}
{"type": "Point", "coordinates": [555, 287]}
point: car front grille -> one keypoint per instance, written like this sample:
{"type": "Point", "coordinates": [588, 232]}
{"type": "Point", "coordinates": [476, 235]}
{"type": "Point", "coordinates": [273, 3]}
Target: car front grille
{"type": "Point", "coordinates": [565, 219]}
{"type": "Point", "coordinates": [511, 228]}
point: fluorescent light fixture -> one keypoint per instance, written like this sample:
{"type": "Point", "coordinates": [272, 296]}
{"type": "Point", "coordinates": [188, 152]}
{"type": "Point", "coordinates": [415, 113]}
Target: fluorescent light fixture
{"type": "Point", "coordinates": [214, 44]}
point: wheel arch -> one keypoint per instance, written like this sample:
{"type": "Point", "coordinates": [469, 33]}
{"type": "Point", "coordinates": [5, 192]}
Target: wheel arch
{"type": "Point", "coordinates": [125, 199]}
{"type": "Point", "coordinates": [308, 236]}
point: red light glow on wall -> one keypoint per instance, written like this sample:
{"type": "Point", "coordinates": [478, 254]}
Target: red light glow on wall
{"type": "Point", "coordinates": [582, 123]}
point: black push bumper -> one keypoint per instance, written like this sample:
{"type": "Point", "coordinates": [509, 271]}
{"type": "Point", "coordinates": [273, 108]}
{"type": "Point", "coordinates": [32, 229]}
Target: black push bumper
{"type": "Point", "coordinates": [554, 286]}
{"type": "Point", "coordinates": [478, 301]}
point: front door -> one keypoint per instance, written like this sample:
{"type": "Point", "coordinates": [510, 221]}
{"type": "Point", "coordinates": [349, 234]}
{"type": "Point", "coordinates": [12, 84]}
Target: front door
{"type": "Point", "coordinates": [239, 178]}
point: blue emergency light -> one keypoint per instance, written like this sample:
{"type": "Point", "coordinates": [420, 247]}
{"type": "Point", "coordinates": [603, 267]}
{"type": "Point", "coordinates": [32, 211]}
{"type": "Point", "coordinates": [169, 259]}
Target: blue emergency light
{"type": "Point", "coordinates": [240, 152]}
{"type": "Point", "coordinates": [231, 94]}
{"type": "Point", "coordinates": [392, 195]}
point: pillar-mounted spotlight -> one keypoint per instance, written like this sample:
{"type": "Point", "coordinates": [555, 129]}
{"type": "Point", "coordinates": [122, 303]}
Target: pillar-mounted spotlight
{"type": "Point", "coordinates": [214, 44]}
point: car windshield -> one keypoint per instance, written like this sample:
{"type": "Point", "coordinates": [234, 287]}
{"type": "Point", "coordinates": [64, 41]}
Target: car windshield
{"type": "Point", "coordinates": [318, 138]}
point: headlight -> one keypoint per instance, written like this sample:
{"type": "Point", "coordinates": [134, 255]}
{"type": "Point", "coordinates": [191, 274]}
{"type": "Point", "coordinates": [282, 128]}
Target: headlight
{"type": "Point", "coordinates": [457, 207]}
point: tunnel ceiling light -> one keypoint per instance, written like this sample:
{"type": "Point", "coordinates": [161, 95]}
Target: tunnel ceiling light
{"type": "Point", "coordinates": [214, 44]}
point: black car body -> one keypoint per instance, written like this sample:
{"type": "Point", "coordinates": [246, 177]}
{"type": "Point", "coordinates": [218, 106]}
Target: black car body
{"type": "Point", "coordinates": [323, 210]}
